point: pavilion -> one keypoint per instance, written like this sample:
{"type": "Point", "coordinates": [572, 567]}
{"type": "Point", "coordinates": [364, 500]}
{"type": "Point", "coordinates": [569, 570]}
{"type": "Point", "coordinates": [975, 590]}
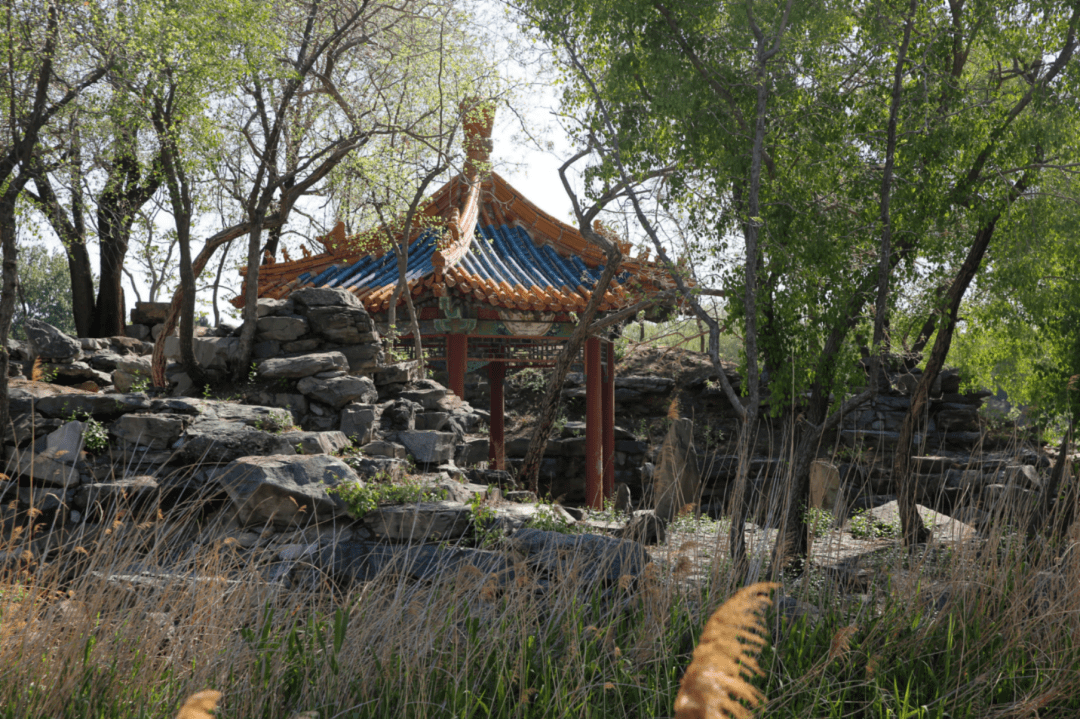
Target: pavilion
{"type": "Point", "coordinates": [494, 281]}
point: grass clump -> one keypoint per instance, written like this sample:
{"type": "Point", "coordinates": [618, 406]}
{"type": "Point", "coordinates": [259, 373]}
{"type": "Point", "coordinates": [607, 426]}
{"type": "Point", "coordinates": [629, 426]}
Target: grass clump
{"type": "Point", "coordinates": [124, 618]}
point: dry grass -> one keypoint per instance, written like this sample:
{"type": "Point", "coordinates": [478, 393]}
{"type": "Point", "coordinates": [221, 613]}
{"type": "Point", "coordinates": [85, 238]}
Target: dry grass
{"type": "Point", "coordinates": [126, 617]}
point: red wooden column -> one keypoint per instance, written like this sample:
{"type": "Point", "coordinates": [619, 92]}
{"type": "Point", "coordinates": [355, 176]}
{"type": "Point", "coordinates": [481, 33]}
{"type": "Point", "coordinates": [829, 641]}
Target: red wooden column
{"type": "Point", "coordinates": [496, 444]}
{"type": "Point", "coordinates": [594, 469]}
{"type": "Point", "coordinates": [456, 350]}
{"type": "Point", "coordinates": [608, 410]}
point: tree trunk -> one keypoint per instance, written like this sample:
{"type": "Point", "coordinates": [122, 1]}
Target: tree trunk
{"type": "Point", "coordinates": [157, 365]}
{"type": "Point", "coordinates": [251, 286]}
{"type": "Point", "coordinates": [7, 297]}
{"type": "Point", "coordinates": [109, 319]}
{"type": "Point", "coordinates": [530, 468]}
{"type": "Point", "coordinates": [83, 303]}
{"type": "Point", "coordinates": [71, 231]}
{"type": "Point", "coordinates": [878, 374]}
{"type": "Point", "coordinates": [913, 530]}
{"type": "Point", "coordinates": [187, 303]}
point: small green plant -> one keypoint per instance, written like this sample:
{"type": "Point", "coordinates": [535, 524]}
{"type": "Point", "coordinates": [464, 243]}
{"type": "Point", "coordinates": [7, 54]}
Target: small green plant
{"type": "Point", "coordinates": [560, 423]}
{"type": "Point", "coordinates": [275, 422]}
{"type": "Point", "coordinates": [530, 381]}
{"type": "Point", "coordinates": [818, 521]}
{"type": "Point", "coordinates": [95, 436]}
{"type": "Point", "coordinates": [142, 384]}
{"type": "Point", "coordinates": [549, 519]}
{"type": "Point", "coordinates": [486, 530]}
{"type": "Point", "coordinates": [363, 498]}
{"type": "Point", "coordinates": [207, 393]}
{"type": "Point", "coordinates": [864, 525]}
{"type": "Point", "coordinates": [253, 373]}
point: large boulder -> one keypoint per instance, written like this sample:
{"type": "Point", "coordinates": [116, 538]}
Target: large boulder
{"type": "Point", "coordinates": [98, 406]}
{"type": "Point", "coordinates": [344, 325]}
{"type": "Point", "coordinates": [219, 442]}
{"type": "Point", "coordinates": [67, 439]}
{"type": "Point", "coordinates": [51, 468]}
{"type": "Point", "coordinates": [429, 447]}
{"type": "Point", "coordinates": [323, 296]}
{"type": "Point", "coordinates": [339, 391]}
{"type": "Point", "coordinates": [358, 421]}
{"type": "Point", "coordinates": [157, 431]}
{"type": "Point", "coordinates": [49, 342]}
{"type": "Point", "coordinates": [219, 353]}
{"type": "Point", "coordinates": [129, 371]}
{"type": "Point", "coordinates": [591, 557]}
{"type": "Point", "coordinates": [268, 419]}
{"type": "Point", "coordinates": [149, 313]}
{"type": "Point", "coordinates": [282, 329]}
{"type": "Point", "coordinates": [356, 561]}
{"type": "Point", "coordinates": [286, 490]}
{"type": "Point", "coordinates": [302, 366]}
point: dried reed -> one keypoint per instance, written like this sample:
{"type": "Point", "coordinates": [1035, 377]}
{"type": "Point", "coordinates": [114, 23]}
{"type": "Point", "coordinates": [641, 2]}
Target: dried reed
{"type": "Point", "coordinates": [715, 686]}
{"type": "Point", "coordinates": [199, 705]}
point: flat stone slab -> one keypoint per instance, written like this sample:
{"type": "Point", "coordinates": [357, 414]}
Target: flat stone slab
{"type": "Point", "coordinates": [137, 494]}
{"type": "Point", "coordinates": [302, 366]}
{"type": "Point", "coordinates": [339, 391]}
{"type": "Point", "coordinates": [218, 442]}
{"type": "Point", "coordinates": [55, 468]}
{"type": "Point", "coordinates": [421, 522]}
{"type": "Point", "coordinates": [317, 442]}
{"type": "Point", "coordinates": [282, 329]}
{"type": "Point", "coordinates": [157, 431]}
{"type": "Point", "coordinates": [98, 406]}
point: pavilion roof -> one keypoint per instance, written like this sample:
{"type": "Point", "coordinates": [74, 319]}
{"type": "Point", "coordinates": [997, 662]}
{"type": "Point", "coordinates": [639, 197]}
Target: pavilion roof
{"type": "Point", "coordinates": [483, 241]}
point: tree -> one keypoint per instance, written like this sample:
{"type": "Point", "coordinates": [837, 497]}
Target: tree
{"type": "Point", "coordinates": [105, 178]}
{"type": "Point", "coordinates": [678, 84]}
{"type": "Point", "coordinates": [320, 38]}
{"type": "Point", "coordinates": [697, 88]}
{"type": "Point", "coordinates": [48, 66]}
{"type": "Point", "coordinates": [1020, 113]}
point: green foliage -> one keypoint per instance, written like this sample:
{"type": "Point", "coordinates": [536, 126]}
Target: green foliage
{"type": "Point", "coordinates": [95, 436]}
{"type": "Point", "coordinates": [863, 525]}
{"type": "Point", "coordinates": [676, 85]}
{"type": "Point", "coordinates": [818, 521]}
{"type": "Point", "coordinates": [1021, 331]}
{"type": "Point", "coordinates": [142, 384]}
{"type": "Point", "coordinates": [530, 381]}
{"type": "Point", "coordinates": [44, 290]}
{"type": "Point", "coordinates": [548, 519]}
{"type": "Point", "coordinates": [486, 530]}
{"type": "Point", "coordinates": [378, 490]}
